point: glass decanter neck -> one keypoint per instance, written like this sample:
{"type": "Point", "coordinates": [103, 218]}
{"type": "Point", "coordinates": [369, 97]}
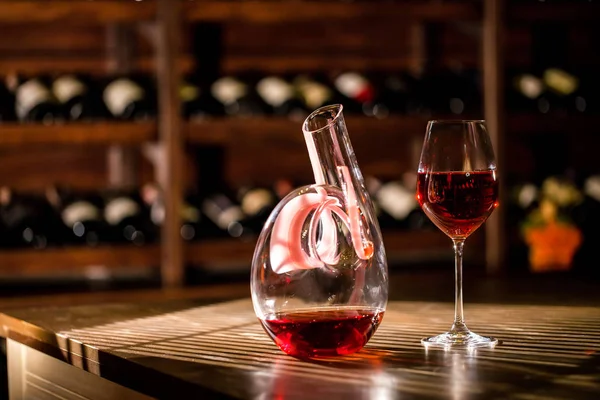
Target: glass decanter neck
{"type": "Point", "coordinates": [333, 163]}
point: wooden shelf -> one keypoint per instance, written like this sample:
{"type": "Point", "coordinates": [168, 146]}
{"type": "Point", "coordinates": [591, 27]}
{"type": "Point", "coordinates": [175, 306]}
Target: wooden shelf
{"type": "Point", "coordinates": [289, 11]}
{"type": "Point", "coordinates": [286, 131]}
{"type": "Point", "coordinates": [278, 64]}
{"type": "Point", "coordinates": [416, 245]}
{"type": "Point", "coordinates": [31, 262]}
{"type": "Point", "coordinates": [400, 245]}
{"type": "Point", "coordinates": [225, 130]}
{"type": "Point", "coordinates": [77, 133]}
{"type": "Point", "coordinates": [94, 64]}
{"type": "Point", "coordinates": [78, 11]}
{"type": "Point", "coordinates": [220, 252]}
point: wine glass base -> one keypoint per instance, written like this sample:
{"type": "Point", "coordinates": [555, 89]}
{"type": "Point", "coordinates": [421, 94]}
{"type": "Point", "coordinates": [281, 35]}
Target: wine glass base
{"type": "Point", "coordinates": [459, 340]}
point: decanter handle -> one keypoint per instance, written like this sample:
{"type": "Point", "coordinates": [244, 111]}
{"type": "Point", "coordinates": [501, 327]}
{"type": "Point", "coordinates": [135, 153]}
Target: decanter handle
{"type": "Point", "coordinates": [287, 253]}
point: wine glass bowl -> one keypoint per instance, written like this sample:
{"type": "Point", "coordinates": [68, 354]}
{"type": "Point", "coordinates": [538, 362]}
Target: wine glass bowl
{"type": "Point", "coordinates": [457, 188]}
{"type": "Point", "coordinates": [457, 202]}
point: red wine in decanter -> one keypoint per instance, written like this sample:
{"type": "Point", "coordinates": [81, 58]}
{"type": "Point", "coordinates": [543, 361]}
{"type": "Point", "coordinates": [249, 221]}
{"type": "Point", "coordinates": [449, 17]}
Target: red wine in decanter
{"type": "Point", "coordinates": [307, 334]}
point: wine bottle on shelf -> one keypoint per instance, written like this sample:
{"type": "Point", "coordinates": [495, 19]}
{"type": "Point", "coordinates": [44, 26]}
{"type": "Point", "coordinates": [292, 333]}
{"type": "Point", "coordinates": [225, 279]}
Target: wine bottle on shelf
{"type": "Point", "coordinates": [282, 97]}
{"type": "Point", "coordinates": [452, 91]}
{"type": "Point", "coordinates": [28, 221]}
{"type": "Point", "coordinates": [361, 95]}
{"type": "Point", "coordinates": [398, 206]}
{"type": "Point", "coordinates": [129, 99]}
{"type": "Point", "coordinates": [563, 91]}
{"type": "Point", "coordinates": [396, 94]}
{"type": "Point", "coordinates": [194, 225]}
{"type": "Point", "coordinates": [416, 217]}
{"type": "Point", "coordinates": [587, 97]}
{"type": "Point", "coordinates": [7, 105]}
{"type": "Point", "coordinates": [528, 94]}
{"type": "Point", "coordinates": [34, 101]}
{"type": "Point", "coordinates": [466, 94]}
{"type": "Point", "coordinates": [226, 214]}
{"type": "Point", "coordinates": [238, 97]}
{"type": "Point", "coordinates": [586, 216]}
{"type": "Point", "coordinates": [81, 213]}
{"type": "Point", "coordinates": [79, 101]}
{"type": "Point", "coordinates": [403, 92]}
{"type": "Point", "coordinates": [128, 220]}
{"type": "Point", "coordinates": [588, 100]}
{"type": "Point", "coordinates": [197, 103]}
{"type": "Point", "coordinates": [4, 238]}
{"type": "Point", "coordinates": [315, 92]}
{"type": "Point", "coordinates": [523, 199]}
{"type": "Point", "coordinates": [386, 221]}
{"type": "Point", "coordinates": [256, 203]}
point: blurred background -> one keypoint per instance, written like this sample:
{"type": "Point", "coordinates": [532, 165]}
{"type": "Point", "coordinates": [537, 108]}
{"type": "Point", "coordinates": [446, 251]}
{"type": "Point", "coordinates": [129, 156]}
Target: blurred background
{"type": "Point", "coordinates": [144, 143]}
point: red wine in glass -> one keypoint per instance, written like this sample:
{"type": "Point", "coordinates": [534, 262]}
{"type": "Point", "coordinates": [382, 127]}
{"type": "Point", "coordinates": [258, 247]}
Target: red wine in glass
{"type": "Point", "coordinates": [457, 202]}
{"type": "Point", "coordinates": [457, 188]}
{"type": "Point", "coordinates": [307, 334]}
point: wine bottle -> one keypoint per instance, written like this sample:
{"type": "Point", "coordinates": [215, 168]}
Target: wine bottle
{"type": "Point", "coordinates": [127, 218]}
{"type": "Point", "coordinates": [81, 214]}
{"type": "Point", "coordinates": [401, 93]}
{"type": "Point", "coordinates": [528, 94]}
{"type": "Point", "coordinates": [237, 97]}
{"type": "Point", "coordinates": [398, 202]}
{"type": "Point", "coordinates": [282, 97]}
{"type": "Point", "coordinates": [256, 203]}
{"type": "Point", "coordinates": [225, 214]}
{"type": "Point", "coordinates": [127, 98]}
{"type": "Point", "coordinates": [361, 96]}
{"type": "Point", "coordinates": [465, 92]}
{"type": "Point", "coordinates": [386, 221]}
{"type": "Point", "coordinates": [77, 98]}
{"type": "Point", "coordinates": [34, 102]}
{"type": "Point", "coordinates": [198, 103]}
{"type": "Point", "coordinates": [7, 105]}
{"type": "Point", "coordinates": [193, 223]}
{"type": "Point", "coordinates": [455, 91]}
{"type": "Point", "coordinates": [4, 234]}
{"type": "Point", "coordinates": [587, 98]}
{"type": "Point", "coordinates": [523, 199]}
{"type": "Point", "coordinates": [315, 92]}
{"type": "Point", "coordinates": [563, 90]}
{"type": "Point", "coordinates": [586, 216]}
{"type": "Point", "coordinates": [28, 221]}
{"type": "Point", "coordinates": [395, 90]}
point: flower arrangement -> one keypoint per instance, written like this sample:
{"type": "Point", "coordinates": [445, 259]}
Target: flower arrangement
{"type": "Point", "coordinates": [552, 236]}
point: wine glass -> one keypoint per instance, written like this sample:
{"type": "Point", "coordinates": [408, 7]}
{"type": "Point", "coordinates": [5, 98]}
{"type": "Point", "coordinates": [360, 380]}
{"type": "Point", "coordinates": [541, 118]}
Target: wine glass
{"type": "Point", "coordinates": [457, 188]}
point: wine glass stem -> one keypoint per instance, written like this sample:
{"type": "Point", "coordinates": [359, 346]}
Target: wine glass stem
{"type": "Point", "coordinates": [459, 321]}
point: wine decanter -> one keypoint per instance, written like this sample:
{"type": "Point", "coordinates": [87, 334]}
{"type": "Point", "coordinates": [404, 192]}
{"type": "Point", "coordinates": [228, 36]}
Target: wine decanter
{"type": "Point", "coordinates": [319, 273]}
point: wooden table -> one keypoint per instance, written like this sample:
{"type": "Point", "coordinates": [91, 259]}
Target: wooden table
{"type": "Point", "coordinates": [187, 349]}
